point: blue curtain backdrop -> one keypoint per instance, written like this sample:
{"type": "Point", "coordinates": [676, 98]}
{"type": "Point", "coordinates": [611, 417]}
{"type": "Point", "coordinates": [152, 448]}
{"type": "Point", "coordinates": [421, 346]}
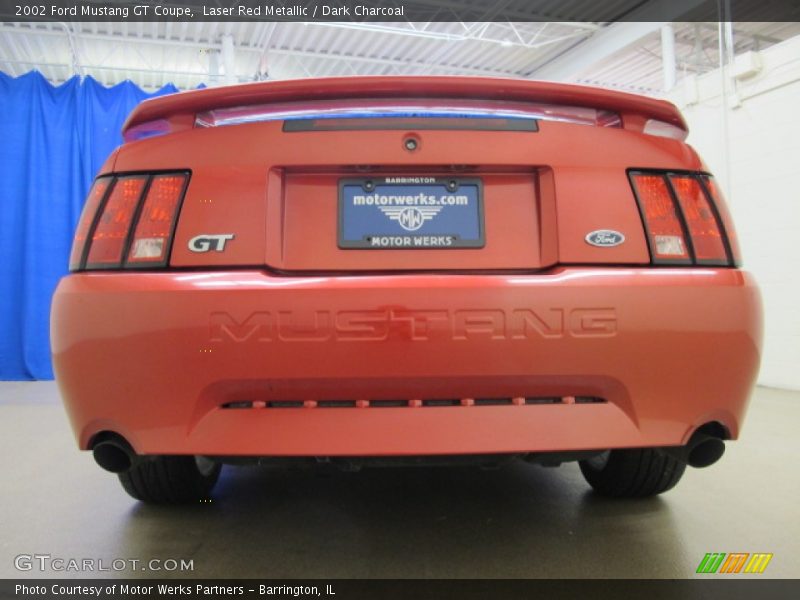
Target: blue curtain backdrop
{"type": "Point", "coordinates": [53, 140]}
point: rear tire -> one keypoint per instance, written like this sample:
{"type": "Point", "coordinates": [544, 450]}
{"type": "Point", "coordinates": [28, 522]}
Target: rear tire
{"type": "Point", "coordinates": [171, 479]}
{"type": "Point", "coordinates": [632, 473]}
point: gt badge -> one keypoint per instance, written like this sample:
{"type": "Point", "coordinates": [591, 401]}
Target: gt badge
{"type": "Point", "coordinates": [207, 242]}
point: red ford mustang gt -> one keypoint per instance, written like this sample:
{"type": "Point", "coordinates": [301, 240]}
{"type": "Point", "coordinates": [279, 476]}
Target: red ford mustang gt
{"type": "Point", "coordinates": [367, 271]}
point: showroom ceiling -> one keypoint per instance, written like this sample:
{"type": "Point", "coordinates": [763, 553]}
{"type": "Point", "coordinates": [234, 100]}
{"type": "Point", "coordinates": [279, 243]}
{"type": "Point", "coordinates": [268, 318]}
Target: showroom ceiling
{"type": "Point", "coordinates": [624, 55]}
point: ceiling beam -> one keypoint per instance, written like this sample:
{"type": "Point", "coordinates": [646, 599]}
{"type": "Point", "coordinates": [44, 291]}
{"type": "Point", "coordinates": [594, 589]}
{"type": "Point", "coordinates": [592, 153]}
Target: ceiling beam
{"type": "Point", "coordinates": [457, 10]}
{"type": "Point", "coordinates": [613, 38]}
{"type": "Point", "coordinates": [474, 31]}
{"type": "Point", "coordinates": [299, 54]}
{"type": "Point", "coordinates": [583, 55]}
{"type": "Point", "coordinates": [115, 38]}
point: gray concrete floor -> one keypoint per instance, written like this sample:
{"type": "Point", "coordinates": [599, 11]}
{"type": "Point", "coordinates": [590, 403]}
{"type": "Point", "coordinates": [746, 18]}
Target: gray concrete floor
{"type": "Point", "coordinates": [519, 521]}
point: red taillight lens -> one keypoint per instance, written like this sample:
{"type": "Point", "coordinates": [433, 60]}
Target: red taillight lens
{"type": "Point", "coordinates": [129, 221]}
{"type": "Point", "coordinates": [662, 221]}
{"type": "Point", "coordinates": [701, 221]}
{"type": "Point", "coordinates": [725, 218]}
{"type": "Point", "coordinates": [685, 219]}
{"type": "Point", "coordinates": [111, 231]}
{"type": "Point", "coordinates": [96, 195]}
{"type": "Point", "coordinates": [154, 228]}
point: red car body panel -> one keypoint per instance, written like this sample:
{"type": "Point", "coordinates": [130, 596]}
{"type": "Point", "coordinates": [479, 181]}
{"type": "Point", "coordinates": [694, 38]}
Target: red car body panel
{"type": "Point", "coordinates": [155, 356]}
{"type": "Point", "coordinates": [576, 187]}
{"type": "Point", "coordinates": [284, 314]}
{"type": "Point", "coordinates": [183, 107]}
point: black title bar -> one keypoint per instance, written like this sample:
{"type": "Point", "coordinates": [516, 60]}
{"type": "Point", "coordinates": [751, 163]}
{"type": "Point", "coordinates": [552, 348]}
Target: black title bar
{"type": "Point", "coordinates": [595, 11]}
{"type": "Point", "coordinates": [386, 589]}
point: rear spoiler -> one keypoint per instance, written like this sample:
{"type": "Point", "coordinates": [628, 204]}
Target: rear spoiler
{"type": "Point", "coordinates": [179, 110]}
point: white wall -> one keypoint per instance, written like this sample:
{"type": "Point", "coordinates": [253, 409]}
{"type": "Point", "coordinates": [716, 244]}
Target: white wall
{"type": "Point", "coordinates": [761, 178]}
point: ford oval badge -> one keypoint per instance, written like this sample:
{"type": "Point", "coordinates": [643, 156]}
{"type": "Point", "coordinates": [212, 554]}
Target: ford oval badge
{"type": "Point", "coordinates": [605, 238]}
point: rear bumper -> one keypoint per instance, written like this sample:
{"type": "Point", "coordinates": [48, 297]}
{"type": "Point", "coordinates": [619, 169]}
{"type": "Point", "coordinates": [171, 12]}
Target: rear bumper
{"type": "Point", "coordinates": [155, 356]}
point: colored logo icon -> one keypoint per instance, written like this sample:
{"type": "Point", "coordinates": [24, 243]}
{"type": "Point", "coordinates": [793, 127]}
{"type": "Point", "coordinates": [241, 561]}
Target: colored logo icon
{"type": "Point", "coordinates": [733, 563]}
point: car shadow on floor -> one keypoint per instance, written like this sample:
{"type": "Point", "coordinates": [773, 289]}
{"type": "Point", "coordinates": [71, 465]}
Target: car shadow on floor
{"type": "Point", "coordinates": [517, 521]}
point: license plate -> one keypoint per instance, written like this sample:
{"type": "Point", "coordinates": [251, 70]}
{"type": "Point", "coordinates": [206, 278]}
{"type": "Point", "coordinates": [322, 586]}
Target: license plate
{"type": "Point", "coordinates": [403, 213]}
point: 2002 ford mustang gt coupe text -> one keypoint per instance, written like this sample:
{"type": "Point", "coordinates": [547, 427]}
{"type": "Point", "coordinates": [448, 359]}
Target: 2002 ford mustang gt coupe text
{"type": "Point", "coordinates": [405, 270]}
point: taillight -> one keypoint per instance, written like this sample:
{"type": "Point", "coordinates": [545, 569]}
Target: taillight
{"type": "Point", "coordinates": [128, 221]}
{"type": "Point", "coordinates": [681, 218]}
{"type": "Point", "coordinates": [96, 195]}
{"type": "Point", "coordinates": [725, 218]}
{"type": "Point", "coordinates": [664, 230]}
{"type": "Point", "coordinates": [111, 230]}
{"type": "Point", "coordinates": [701, 221]}
{"type": "Point", "coordinates": [156, 220]}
